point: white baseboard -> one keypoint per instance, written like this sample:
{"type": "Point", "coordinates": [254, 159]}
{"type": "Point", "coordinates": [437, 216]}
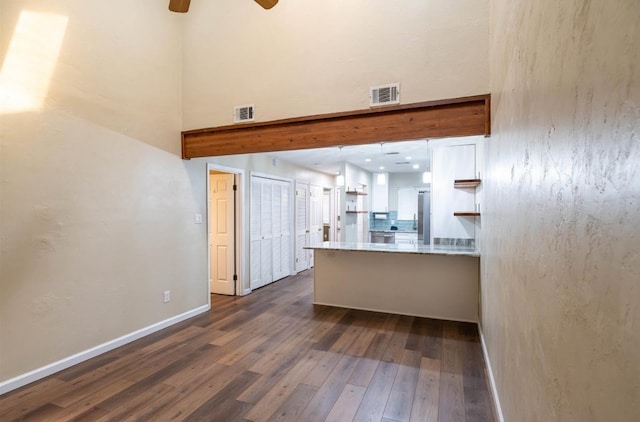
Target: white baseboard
{"type": "Point", "coordinates": [492, 381]}
{"type": "Point", "coordinates": [45, 371]}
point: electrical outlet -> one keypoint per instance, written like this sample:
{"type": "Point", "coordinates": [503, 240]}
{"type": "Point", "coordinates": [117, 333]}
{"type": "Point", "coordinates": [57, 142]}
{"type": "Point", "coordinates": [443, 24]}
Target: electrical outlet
{"type": "Point", "coordinates": [167, 296]}
{"type": "Point", "coordinates": [197, 218]}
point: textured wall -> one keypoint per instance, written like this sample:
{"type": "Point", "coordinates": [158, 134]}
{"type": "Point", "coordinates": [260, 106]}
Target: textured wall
{"type": "Point", "coordinates": [561, 216]}
{"type": "Point", "coordinates": [308, 57]}
{"type": "Point", "coordinates": [97, 206]}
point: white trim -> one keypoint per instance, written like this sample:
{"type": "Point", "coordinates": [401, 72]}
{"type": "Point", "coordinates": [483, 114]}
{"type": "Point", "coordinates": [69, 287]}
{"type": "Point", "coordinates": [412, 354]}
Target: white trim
{"type": "Point", "coordinates": [492, 381]}
{"type": "Point", "coordinates": [52, 368]}
{"type": "Point", "coordinates": [246, 292]}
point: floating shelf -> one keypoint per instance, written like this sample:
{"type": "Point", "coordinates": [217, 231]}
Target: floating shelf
{"type": "Point", "coordinates": [466, 183]}
{"type": "Point", "coordinates": [466, 214]}
{"type": "Point", "coordinates": [355, 192]}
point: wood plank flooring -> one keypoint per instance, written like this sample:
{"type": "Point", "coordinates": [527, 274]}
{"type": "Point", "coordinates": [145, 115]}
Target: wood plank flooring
{"type": "Point", "coordinates": [274, 356]}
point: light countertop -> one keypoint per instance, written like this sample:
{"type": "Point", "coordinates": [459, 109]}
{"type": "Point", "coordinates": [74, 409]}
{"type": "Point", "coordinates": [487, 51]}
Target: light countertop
{"type": "Point", "coordinates": [393, 231]}
{"type": "Point", "coordinates": [397, 248]}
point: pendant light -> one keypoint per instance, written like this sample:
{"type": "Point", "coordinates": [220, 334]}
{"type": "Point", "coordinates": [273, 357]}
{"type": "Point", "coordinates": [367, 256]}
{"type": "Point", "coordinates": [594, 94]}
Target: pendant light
{"type": "Point", "coordinates": [426, 176]}
{"type": "Point", "coordinates": [340, 176]}
{"type": "Point", "coordinates": [381, 178]}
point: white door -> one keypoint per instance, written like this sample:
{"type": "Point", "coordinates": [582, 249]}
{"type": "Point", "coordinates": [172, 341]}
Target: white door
{"type": "Point", "coordinates": [271, 223]}
{"type": "Point", "coordinates": [284, 229]}
{"type": "Point", "coordinates": [315, 218]}
{"type": "Point", "coordinates": [255, 253]}
{"type": "Point", "coordinates": [221, 235]}
{"type": "Point", "coordinates": [302, 226]}
{"type": "Point", "coordinates": [266, 230]}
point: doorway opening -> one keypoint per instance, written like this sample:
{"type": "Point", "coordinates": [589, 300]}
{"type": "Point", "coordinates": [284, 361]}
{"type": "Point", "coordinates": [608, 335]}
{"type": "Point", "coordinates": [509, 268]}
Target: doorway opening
{"type": "Point", "coordinates": [224, 228]}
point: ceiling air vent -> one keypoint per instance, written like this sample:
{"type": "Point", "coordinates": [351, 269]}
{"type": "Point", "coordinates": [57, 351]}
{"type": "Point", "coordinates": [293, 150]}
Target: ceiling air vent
{"type": "Point", "coordinates": [384, 95]}
{"type": "Point", "coordinates": [243, 114]}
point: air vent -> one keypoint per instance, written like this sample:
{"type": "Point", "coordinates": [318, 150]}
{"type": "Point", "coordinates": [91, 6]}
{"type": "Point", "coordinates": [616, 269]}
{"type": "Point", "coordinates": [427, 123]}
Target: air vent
{"type": "Point", "coordinates": [392, 153]}
{"type": "Point", "coordinates": [403, 162]}
{"type": "Point", "coordinates": [243, 114]}
{"type": "Point", "coordinates": [384, 95]}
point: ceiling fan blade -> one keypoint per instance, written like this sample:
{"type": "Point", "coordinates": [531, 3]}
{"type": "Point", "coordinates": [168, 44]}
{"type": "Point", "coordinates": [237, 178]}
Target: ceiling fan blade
{"type": "Point", "coordinates": [180, 6]}
{"type": "Point", "coordinates": [267, 4]}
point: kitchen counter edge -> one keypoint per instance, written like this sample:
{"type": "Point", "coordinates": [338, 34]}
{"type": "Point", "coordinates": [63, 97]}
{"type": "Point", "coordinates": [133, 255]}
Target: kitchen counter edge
{"type": "Point", "coordinates": [400, 248]}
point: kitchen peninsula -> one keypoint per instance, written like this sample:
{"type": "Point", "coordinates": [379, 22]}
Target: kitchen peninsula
{"type": "Point", "coordinates": [439, 282]}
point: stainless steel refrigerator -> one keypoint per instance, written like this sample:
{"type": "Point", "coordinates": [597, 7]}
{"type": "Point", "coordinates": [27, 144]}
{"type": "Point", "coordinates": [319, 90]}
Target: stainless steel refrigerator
{"type": "Point", "coordinates": [424, 217]}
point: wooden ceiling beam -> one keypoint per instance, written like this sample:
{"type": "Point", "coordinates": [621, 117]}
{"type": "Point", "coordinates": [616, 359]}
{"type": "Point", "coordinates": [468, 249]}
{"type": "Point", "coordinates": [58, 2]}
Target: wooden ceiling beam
{"type": "Point", "coordinates": [433, 119]}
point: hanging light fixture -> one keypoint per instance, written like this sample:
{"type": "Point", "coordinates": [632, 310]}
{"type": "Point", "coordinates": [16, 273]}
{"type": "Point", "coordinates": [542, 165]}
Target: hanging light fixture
{"type": "Point", "coordinates": [426, 176]}
{"type": "Point", "coordinates": [179, 6]}
{"type": "Point", "coordinates": [340, 177]}
{"type": "Point", "coordinates": [381, 178]}
{"type": "Point", "coordinates": [267, 4]}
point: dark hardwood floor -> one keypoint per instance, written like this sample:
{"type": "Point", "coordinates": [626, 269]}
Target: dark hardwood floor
{"type": "Point", "coordinates": [274, 356]}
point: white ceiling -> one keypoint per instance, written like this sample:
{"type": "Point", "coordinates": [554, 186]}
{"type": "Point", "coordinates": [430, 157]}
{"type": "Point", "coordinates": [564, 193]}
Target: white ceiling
{"type": "Point", "coordinates": [395, 157]}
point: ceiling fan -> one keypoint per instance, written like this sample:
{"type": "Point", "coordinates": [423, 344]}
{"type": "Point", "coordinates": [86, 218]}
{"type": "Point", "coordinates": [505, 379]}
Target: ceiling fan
{"type": "Point", "coordinates": [182, 6]}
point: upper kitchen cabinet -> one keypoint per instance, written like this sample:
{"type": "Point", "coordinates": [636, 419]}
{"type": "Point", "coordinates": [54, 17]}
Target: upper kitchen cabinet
{"type": "Point", "coordinates": [380, 195]}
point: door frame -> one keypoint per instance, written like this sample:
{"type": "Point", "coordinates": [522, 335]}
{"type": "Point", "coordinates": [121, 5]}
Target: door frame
{"type": "Point", "coordinates": [239, 212]}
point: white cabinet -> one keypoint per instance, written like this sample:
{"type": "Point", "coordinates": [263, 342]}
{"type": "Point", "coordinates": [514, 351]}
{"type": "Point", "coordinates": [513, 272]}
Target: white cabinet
{"type": "Point", "coordinates": [380, 196]}
{"type": "Point", "coordinates": [406, 238]}
{"type": "Point", "coordinates": [408, 203]}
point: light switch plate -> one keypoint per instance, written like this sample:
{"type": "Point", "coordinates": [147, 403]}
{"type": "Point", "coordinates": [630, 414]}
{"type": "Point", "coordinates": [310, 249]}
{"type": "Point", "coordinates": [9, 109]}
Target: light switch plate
{"type": "Point", "coordinates": [198, 218]}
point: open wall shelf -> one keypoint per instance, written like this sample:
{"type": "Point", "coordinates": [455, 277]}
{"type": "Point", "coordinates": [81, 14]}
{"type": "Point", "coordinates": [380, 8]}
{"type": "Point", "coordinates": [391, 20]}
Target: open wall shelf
{"type": "Point", "coordinates": [466, 214]}
{"type": "Point", "coordinates": [466, 183]}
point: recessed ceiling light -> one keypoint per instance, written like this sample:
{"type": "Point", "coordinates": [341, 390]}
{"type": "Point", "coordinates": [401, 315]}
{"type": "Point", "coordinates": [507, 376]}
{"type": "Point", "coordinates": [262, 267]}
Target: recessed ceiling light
{"type": "Point", "coordinates": [381, 167]}
{"type": "Point", "coordinates": [416, 166]}
{"type": "Point", "coordinates": [368, 160]}
{"type": "Point", "coordinates": [407, 158]}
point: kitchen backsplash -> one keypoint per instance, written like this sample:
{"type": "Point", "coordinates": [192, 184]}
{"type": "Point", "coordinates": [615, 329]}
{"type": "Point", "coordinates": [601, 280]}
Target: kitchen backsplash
{"type": "Point", "coordinates": [385, 224]}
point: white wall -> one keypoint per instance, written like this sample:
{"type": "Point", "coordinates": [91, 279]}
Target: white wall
{"type": "Point", "coordinates": [561, 239]}
{"type": "Point", "coordinates": [97, 206]}
{"type": "Point", "coordinates": [307, 57]}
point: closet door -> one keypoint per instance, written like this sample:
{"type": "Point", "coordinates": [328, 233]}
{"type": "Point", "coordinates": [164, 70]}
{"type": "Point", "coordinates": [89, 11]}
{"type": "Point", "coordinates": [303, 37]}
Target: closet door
{"type": "Point", "coordinates": [286, 222]}
{"type": "Point", "coordinates": [271, 222]}
{"type": "Point", "coordinates": [255, 253]}
{"type": "Point", "coordinates": [276, 214]}
{"type": "Point", "coordinates": [302, 226]}
{"type": "Point", "coordinates": [266, 229]}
